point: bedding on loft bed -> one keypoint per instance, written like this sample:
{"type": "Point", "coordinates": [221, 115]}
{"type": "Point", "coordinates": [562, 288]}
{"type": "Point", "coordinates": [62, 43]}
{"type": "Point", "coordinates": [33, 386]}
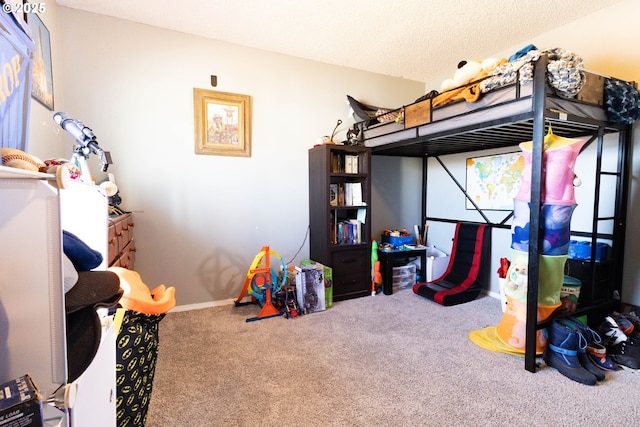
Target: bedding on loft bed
{"type": "Point", "coordinates": [506, 91]}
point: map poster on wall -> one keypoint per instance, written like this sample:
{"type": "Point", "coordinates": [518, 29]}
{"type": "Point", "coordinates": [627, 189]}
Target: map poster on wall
{"type": "Point", "coordinates": [493, 181]}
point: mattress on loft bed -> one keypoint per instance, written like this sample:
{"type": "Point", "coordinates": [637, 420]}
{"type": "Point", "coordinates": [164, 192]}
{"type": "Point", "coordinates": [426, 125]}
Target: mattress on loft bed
{"type": "Point", "coordinates": [499, 103]}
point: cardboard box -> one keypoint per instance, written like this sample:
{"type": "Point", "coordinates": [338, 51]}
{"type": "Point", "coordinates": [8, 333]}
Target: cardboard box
{"type": "Point", "coordinates": [20, 403]}
{"type": "Point", "coordinates": [310, 291]}
{"type": "Point", "coordinates": [417, 114]}
{"type": "Point", "coordinates": [328, 280]}
{"type": "Point", "coordinates": [592, 90]}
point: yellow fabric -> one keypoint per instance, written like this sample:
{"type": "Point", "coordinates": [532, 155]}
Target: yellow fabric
{"type": "Point", "coordinates": [487, 339]}
{"type": "Point", "coordinates": [554, 142]}
{"type": "Point", "coordinates": [469, 93]}
{"type": "Point", "coordinates": [117, 319]}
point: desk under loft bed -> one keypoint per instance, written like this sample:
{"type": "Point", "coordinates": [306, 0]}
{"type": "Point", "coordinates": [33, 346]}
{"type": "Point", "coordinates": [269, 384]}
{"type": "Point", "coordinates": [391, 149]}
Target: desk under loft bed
{"type": "Point", "coordinates": [505, 117]}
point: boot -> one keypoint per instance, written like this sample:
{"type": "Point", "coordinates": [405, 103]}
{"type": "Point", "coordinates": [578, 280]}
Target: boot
{"type": "Point", "coordinates": [561, 353]}
{"type": "Point", "coordinates": [586, 336]}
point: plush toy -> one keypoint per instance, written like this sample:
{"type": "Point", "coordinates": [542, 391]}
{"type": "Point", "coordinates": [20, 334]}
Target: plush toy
{"type": "Point", "coordinates": [81, 255]}
{"type": "Point", "coordinates": [73, 170]}
{"type": "Point", "coordinates": [468, 71]}
{"type": "Point", "coordinates": [516, 284]}
{"type": "Point", "coordinates": [138, 297]}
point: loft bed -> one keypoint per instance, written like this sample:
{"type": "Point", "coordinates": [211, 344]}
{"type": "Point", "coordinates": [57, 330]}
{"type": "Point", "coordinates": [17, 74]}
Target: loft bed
{"type": "Point", "coordinates": [509, 114]}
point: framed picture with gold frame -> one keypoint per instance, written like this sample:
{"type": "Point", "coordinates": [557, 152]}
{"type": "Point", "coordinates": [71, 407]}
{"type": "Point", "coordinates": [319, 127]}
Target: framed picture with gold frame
{"type": "Point", "coordinates": [222, 123]}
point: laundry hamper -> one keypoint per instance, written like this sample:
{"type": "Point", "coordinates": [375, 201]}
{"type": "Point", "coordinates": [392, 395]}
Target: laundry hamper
{"type": "Point", "coordinates": [136, 356]}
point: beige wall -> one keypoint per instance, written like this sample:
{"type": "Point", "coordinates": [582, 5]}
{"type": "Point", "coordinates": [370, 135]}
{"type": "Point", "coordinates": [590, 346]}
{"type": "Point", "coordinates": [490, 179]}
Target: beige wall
{"type": "Point", "coordinates": [200, 220]}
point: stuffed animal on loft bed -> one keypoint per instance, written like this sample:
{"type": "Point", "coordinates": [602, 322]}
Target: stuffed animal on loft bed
{"type": "Point", "coordinates": [464, 84]}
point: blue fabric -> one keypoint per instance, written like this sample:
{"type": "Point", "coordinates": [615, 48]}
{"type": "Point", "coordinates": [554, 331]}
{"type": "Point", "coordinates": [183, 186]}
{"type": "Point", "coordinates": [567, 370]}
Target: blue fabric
{"type": "Point", "coordinates": [522, 52]}
{"type": "Point", "coordinates": [81, 255]}
{"type": "Point", "coordinates": [622, 101]}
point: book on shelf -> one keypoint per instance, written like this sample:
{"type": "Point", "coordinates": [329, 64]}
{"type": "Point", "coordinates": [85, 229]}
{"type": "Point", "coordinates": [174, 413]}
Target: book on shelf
{"type": "Point", "coordinates": [346, 230]}
{"type": "Point", "coordinates": [344, 163]}
{"type": "Point", "coordinates": [341, 198]}
{"type": "Point", "coordinates": [356, 193]}
{"type": "Point", "coordinates": [337, 162]}
{"type": "Point", "coordinates": [333, 194]}
{"type": "Point", "coordinates": [353, 194]}
{"type": "Point", "coordinates": [351, 163]}
{"type": "Point", "coordinates": [349, 232]}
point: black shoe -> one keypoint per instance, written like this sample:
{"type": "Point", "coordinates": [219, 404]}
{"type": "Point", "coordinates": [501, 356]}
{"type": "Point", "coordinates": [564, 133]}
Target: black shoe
{"type": "Point", "coordinates": [626, 353]}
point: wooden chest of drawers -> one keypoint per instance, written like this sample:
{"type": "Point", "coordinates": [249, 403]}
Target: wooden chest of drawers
{"type": "Point", "coordinates": [121, 248]}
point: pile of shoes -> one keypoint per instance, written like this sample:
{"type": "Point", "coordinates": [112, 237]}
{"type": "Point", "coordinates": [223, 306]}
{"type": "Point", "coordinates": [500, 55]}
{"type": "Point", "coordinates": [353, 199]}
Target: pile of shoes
{"type": "Point", "coordinates": [621, 336]}
{"type": "Point", "coordinates": [577, 351]}
{"type": "Point", "coordinates": [582, 355]}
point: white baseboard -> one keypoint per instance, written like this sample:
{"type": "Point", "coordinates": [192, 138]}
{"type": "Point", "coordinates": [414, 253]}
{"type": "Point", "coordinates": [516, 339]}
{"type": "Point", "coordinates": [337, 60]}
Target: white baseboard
{"type": "Point", "coordinates": [210, 304]}
{"type": "Point", "coordinates": [495, 295]}
{"type": "Point", "coordinates": [202, 305]}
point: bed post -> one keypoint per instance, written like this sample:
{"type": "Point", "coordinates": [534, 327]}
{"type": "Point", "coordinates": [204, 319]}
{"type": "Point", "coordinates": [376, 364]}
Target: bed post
{"type": "Point", "coordinates": [425, 171]}
{"type": "Point", "coordinates": [537, 184]}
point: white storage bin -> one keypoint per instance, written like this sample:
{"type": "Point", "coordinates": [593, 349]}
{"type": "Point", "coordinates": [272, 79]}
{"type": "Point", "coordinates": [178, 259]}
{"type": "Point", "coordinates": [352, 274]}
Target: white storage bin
{"type": "Point", "coordinates": [437, 262]}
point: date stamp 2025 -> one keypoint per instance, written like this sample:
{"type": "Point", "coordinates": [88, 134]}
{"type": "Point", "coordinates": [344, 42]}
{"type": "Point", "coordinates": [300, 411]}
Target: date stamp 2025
{"type": "Point", "coordinates": [24, 8]}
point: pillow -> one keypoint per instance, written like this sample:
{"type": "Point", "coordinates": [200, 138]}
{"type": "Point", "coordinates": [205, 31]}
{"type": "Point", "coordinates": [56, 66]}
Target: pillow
{"type": "Point", "coordinates": [364, 112]}
{"type": "Point", "coordinates": [82, 256]}
{"type": "Point", "coordinates": [622, 101]}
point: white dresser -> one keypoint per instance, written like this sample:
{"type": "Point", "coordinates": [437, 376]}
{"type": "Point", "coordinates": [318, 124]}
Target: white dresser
{"type": "Point", "coordinates": [33, 214]}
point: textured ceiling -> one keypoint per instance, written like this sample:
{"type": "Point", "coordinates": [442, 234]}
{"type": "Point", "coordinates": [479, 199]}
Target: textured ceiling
{"type": "Point", "coordinates": [414, 39]}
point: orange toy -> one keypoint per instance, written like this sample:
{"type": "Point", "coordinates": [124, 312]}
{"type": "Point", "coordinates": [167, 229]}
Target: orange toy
{"type": "Point", "coordinates": [261, 282]}
{"type": "Point", "coordinates": [138, 297]}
